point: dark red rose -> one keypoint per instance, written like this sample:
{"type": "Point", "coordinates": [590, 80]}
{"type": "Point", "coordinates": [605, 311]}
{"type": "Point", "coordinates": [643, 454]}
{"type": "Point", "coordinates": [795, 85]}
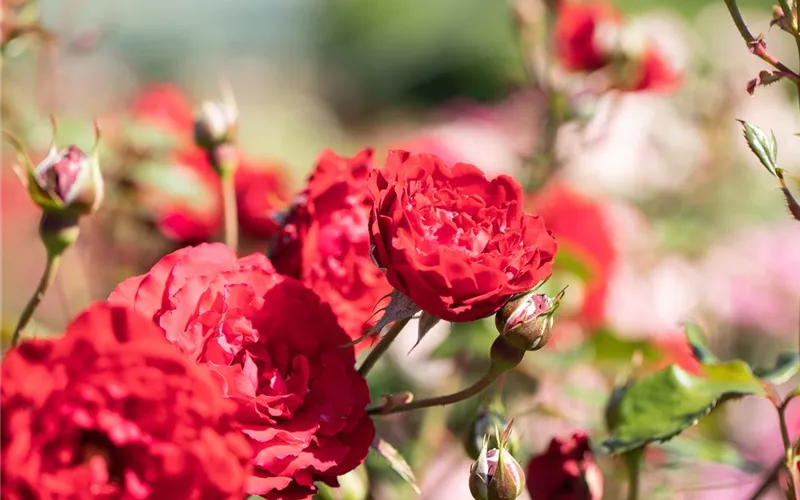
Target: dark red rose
{"type": "Point", "coordinates": [458, 244]}
{"type": "Point", "coordinates": [277, 351]}
{"type": "Point", "coordinates": [111, 410]}
{"type": "Point", "coordinates": [325, 243]}
{"type": "Point", "coordinates": [566, 471]}
{"type": "Point", "coordinates": [579, 32]}
{"type": "Point", "coordinates": [583, 232]}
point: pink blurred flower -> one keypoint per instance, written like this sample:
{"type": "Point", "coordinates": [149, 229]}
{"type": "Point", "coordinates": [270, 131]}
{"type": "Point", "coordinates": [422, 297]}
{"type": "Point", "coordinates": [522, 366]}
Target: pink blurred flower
{"type": "Point", "coordinates": [762, 291]}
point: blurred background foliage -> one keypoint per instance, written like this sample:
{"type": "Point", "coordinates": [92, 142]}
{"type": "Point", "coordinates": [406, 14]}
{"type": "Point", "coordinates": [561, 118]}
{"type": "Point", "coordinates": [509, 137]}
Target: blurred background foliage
{"type": "Point", "coordinates": [313, 74]}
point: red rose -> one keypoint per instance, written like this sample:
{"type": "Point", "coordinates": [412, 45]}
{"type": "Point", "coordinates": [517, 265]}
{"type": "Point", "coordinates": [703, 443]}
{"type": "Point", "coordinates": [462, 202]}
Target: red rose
{"type": "Point", "coordinates": [578, 31]}
{"type": "Point", "coordinates": [111, 410]}
{"type": "Point", "coordinates": [566, 471]}
{"type": "Point", "coordinates": [583, 232]}
{"type": "Point", "coordinates": [325, 242]}
{"type": "Point", "coordinates": [456, 243]}
{"type": "Point", "coordinates": [278, 352]}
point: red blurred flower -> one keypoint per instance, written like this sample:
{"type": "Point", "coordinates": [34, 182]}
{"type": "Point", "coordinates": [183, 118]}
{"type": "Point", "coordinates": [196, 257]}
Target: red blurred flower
{"type": "Point", "coordinates": [111, 410]}
{"type": "Point", "coordinates": [191, 212]}
{"type": "Point", "coordinates": [325, 242]}
{"type": "Point", "coordinates": [566, 471]}
{"type": "Point", "coordinates": [652, 72]}
{"type": "Point", "coordinates": [578, 33]}
{"type": "Point", "coordinates": [583, 231]}
{"type": "Point", "coordinates": [278, 352]}
{"type": "Point", "coordinates": [456, 243]}
{"type": "Point", "coordinates": [165, 106]}
{"type": "Point", "coordinates": [675, 349]}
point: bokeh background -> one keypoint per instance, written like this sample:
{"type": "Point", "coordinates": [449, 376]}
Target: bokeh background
{"type": "Point", "coordinates": [690, 224]}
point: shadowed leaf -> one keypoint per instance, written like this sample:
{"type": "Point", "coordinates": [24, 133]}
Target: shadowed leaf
{"type": "Point", "coordinates": [664, 404]}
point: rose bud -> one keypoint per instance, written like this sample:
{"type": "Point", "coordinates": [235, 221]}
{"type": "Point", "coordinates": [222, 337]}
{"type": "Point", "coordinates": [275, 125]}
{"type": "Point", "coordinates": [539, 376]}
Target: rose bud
{"type": "Point", "coordinates": [483, 428]}
{"type": "Point", "coordinates": [496, 475]}
{"type": "Point", "coordinates": [216, 123]}
{"type": "Point", "coordinates": [67, 181]}
{"type": "Point", "coordinates": [526, 320]}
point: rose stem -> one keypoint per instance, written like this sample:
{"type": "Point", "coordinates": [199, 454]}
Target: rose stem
{"type": "Point", "coordinates": [633, 461]}
{"type": "Point", "coordinates": [748, 37]}
{"type": "Point", "coordinates": [455, 397]}
{"type": "Point", "coordinates": [791, 492]}
{"type": "Point", "coordinates": [381, 347]}
{"type": "Point", "coordinates": [48, 276]}
{"type": "Point", "coordinates": [229, 207]}
{"type": "Point", "coordinates": [771, 476]}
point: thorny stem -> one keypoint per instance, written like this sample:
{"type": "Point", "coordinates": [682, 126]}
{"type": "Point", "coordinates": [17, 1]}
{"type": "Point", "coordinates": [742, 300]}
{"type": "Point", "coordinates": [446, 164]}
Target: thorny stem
{"type": "Point", "coordinates": [48, 276]}
{"type": "Point", "coordinates": [447, 399]}
{"type": "Point", "coordinates": [382, 345]}
{"type": "Point", "coordinates": [755, 44]}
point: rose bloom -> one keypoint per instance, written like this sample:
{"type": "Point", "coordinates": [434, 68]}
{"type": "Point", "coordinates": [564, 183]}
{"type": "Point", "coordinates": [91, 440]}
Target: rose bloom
{"type": "Point", "coordinates": [566, 471]}
{"type": "Point", "coordinates": [584, 232]}
{"type": "Point", "coordinates": [325, 242]}
{"type": "Point", "coordinates": [582, 32]}
{"type": "Point", "coordinates": [278, 353]}
{"type": "Point", "coordinates": [111, 410]}
{"type": "Point", "coordinates": [186, 195]}
{"type": "Point", "coordinates": [456, 243]}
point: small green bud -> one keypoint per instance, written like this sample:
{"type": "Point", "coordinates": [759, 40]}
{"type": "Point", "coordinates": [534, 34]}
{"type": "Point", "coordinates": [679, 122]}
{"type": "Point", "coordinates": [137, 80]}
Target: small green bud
{"type": "Point", "coordinates": [216, 123]}
{"type": "Point", "coordinates": [496, 475]}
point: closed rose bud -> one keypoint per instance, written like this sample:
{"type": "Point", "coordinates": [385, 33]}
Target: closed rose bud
{"type": "Point", "coordinates": [496, 475]}
{"type": "Point", "coordinates": [526, 320]}
{"type": "Point", "coordinates": [216, 123]}
{"type": "Point", "coordinates": [483, 428]}
{"type": "Point", "coordinates": [67, 181]}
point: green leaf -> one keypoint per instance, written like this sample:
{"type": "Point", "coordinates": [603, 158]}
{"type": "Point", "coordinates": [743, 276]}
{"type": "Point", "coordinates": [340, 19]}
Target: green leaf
{"type": "Point", "coordinates": [697, 341]}
{"type": "Point", "coordinates": [669, 401]}
{"type": "Point", "coordinates": [786, 366]}
{"type": "Point", "coordinates": [396, 460]}
{"type": "Point", "coordinates": [765, 148]}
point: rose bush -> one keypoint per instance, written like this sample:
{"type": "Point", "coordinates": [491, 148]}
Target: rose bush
{"type": "Point", "coordinates": [566, 471]}
{"type": "Point", "coordinates": [278, 352]}
{"type": "Point", "coordinates": [458, 244]}
{"type": "Point", "coordinates": [325, 241]}
{"type": "Point", "coordinates": [111, 410]}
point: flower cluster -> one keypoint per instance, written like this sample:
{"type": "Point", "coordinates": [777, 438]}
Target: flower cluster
{"type": "Point", "coordinates": [278, 352]}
